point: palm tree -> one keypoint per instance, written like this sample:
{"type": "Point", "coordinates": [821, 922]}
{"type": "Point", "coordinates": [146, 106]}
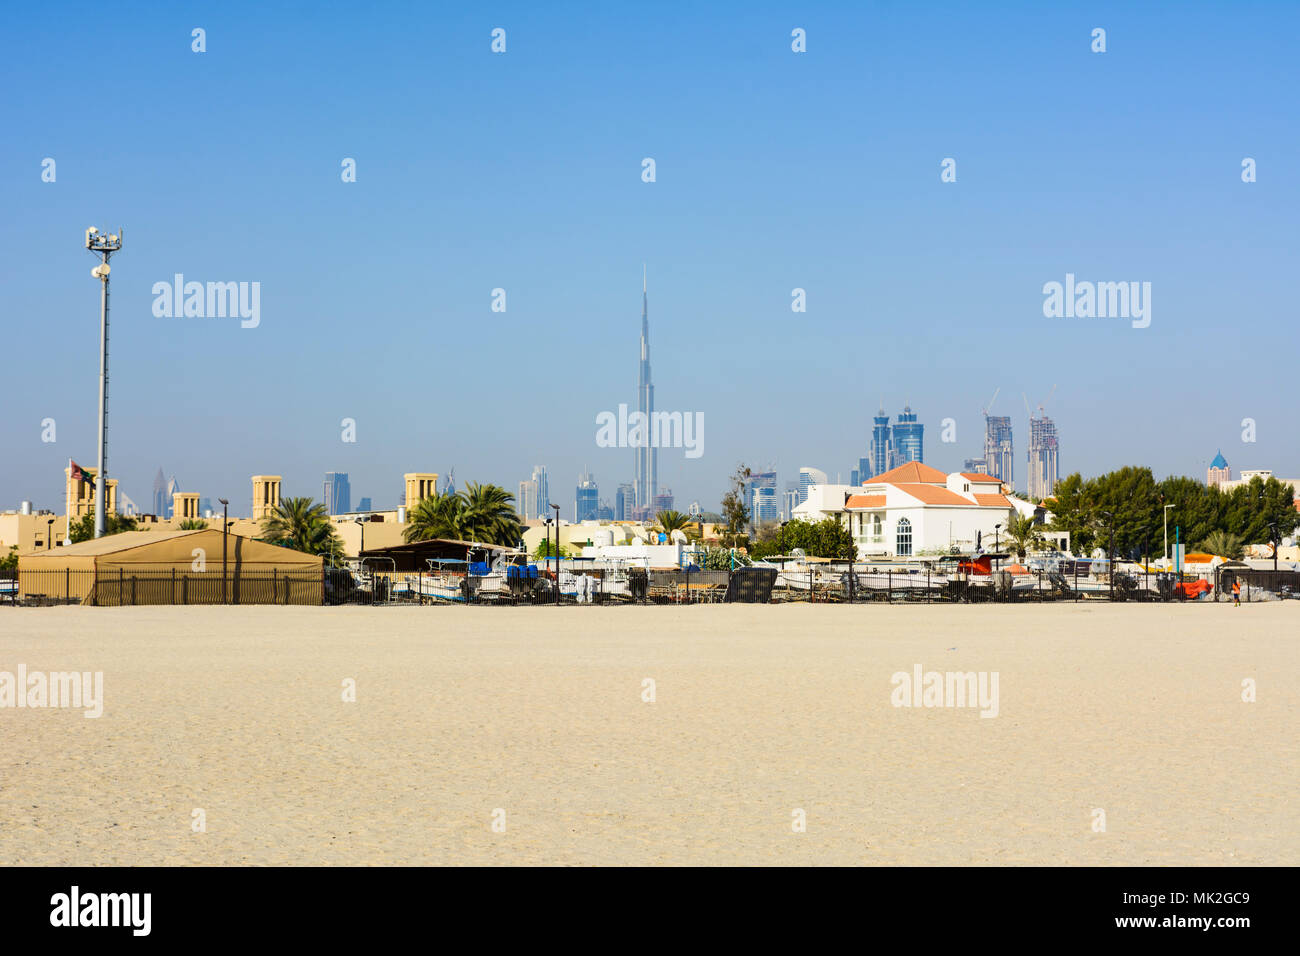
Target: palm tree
{"type": "Point", "coordinates": [670, 521]}
{"type": "Point", "coordinates": [482, 513]}
{"type": "Point", "coordinates": [303, 525]}
{"type": "Point", "coordinates": [437, 516]}
{"type": "Point", "coordinates": [1225, 544]}
{"type": "Point", "coordinates": [491, 514]}
{"type": "Point", "coordinates": [193, 524]}
{"type": "Point", "coordinates": [1023, 533]}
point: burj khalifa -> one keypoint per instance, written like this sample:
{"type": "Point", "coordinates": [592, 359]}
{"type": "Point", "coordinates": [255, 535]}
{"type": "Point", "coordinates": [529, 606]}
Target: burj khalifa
{"type": "Point", "coordinates": [646, 482]}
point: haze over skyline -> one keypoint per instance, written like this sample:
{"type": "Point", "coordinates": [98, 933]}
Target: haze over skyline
{"type": "Point", "coordinates": [522, 171]}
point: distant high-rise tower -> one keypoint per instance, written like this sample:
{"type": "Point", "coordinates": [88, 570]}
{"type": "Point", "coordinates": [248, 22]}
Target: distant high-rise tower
{"type": "Point", "coordinates": [765, 508]}
{"type": "Point", "coordinates": [526, 502]}
{"type": "Point", "coordinates": [999, 455]}
{"type": "Point", "coordinates": [808, 477]}
{"type": "Point", "coordinates": [1043, 465]}
{"type": "Point", "coordinates": [789, 500]}
{"type": "Point", "coordinates": [1218, 472]}
{"type": "Point", "coordinates": [586, 498]}
{"type": "Point", "coordinates": [159, 503]}
{"type": "Point", "coordinates": [975, 466]}
{"type": "Point", "coordinates": [543, 492]}
{"type": "Point", "coordinates": [909, 439]}
{"type": "Point", "coordinates": [880, 450]}
{"type": "Point", "coordinates": [336, 493]}
{"type": "Point", "coordinates": [646, 481]}
{"type": "Point", "coordinates": [663, 502]}
{"type": "Point", "coordinates": [624, 502]}
{"type": "Point", "coordinates": [173, 488]}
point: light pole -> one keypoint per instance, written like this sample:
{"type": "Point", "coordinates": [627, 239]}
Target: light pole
{"type": "Point", "coordinates": [102, 246]}
{"type": "Point", "coordinates": [557, 554]}
{"type": "Point", "coordinates": [49, 536]}
{"type": "Point", "coordinates": [361, 522]}
{"type": "Point", "coordinates": [225, 526]}
{"type": "Point", "coordinates": [1165, 516]}
{"type": "Point", "coordinates": [996, 528]}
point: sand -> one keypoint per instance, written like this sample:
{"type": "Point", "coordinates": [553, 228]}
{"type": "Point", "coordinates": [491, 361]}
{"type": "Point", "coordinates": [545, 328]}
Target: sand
{"type": "Point", "coordinates": [1133, 710]}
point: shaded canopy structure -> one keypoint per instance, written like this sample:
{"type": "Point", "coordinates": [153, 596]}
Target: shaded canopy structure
{"type": "Point", "coordinates": [413, 555]}
{"type": "Point", "coordinates": [172, 567]}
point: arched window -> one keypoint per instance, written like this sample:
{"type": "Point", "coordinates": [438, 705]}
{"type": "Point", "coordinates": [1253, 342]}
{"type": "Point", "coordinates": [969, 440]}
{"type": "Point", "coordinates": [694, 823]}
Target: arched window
{"type": "Point", "coordinates": [877, 532]}
{"type": "Point", "coordinates": [903, 546]}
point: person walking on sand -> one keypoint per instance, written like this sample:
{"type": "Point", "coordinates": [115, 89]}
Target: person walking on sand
{"type": "Point", "coordinates": [1236, 593]}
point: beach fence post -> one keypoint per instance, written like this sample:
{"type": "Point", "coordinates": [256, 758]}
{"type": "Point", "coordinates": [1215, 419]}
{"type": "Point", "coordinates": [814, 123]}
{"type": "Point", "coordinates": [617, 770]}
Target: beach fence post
{"type": "Point", "coordinates": [889, 586]}
{"type": "Point", "coordinates": [812, 595]}
{"type": "Point", "coordinates": [927, 584]}
{"type": "Point", "coordinates": [67, 585]}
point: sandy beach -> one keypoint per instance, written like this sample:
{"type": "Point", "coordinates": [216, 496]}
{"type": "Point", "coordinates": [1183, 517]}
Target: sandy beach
{"type": "Point", "coordinates": [758, 712]}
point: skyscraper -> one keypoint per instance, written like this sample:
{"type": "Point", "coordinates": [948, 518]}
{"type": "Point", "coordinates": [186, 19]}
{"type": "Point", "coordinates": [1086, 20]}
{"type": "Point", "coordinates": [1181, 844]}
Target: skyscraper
{"type": "Point", "coordinates": [663, 502]}
{"type": "Point", "coordinates": [764, 508]}
{"type": "Point", "coordinates": [999, 455]}
{"type": "Point", "coordinates": [526, 501]}
{"type": "Point", "coordinates": [1043, 467]}
{"type": "Point", "coordinates": [879, 452]}
{"type": "Point", "coordinates": [789, 500]}
{"type": "Point", "coordinates": [543, 492]}
{"type": "Point", "coordinates": [809, 476]}
{"type": "Point", "coordinates": [624, 502]}
{"type": "Point", "coordinates": [647, 458]}
{"type": "Point", "coordinates": [336, 493]}
{"type": "Point", "coordinates": [586, 498]}
{"type": "Point", "coordinates": [1218, 472]}
{"type": "Point", "coordinates": [364, 505]}
{"type": "Point", "coordinates": [169, 501]}
{"type": "Point", "coordinates": [159, 504]}
{"type": "Point", "coordinates": [909, 439]}
{"type": "Point", "coordinates": [975, 466]}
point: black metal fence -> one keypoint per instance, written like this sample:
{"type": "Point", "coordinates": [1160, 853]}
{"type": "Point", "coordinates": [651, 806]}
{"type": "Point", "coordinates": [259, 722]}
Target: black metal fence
{"type": "Point", "coordinates": [583, 586]}
{"type": "Point", "coordinates": [842, 583]}
{"type": "Point", "coordinates": [1256, 585]}
{"type": "Point", "coordinates": [124, 588]}
{"type": "Point", "coordinates": [836, 583]}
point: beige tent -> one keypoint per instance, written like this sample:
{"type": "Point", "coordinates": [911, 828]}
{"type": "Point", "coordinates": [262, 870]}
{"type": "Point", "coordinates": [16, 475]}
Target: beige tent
{"type": "Point", "coordinates": [171, 567]}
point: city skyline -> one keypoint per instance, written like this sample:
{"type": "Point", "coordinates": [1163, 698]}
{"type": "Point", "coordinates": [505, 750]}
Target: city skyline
{"type": "Point", "coordinates": [940, 277]}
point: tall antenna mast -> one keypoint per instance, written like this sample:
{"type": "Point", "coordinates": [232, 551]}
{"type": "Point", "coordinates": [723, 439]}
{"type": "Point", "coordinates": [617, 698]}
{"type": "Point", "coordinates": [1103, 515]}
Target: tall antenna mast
{"type": "Point", "coordinates": [102, 246]}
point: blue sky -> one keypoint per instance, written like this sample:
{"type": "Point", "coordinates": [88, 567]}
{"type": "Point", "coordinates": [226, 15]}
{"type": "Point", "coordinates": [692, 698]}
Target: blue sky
{"type": "Point", "coordinates": [522, 171]}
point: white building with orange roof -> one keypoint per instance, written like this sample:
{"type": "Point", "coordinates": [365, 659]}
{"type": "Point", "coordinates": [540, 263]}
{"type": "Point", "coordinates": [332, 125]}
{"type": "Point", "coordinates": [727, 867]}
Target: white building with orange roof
{"type": "Point", "coordinates": [913, 509]}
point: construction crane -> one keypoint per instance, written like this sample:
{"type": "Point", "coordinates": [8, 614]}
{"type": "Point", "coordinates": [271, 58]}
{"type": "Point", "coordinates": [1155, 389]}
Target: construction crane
{"type": "Point", "coordinates": [1042, 412]}
{"type": "Point", "coordinates": [991, 401]}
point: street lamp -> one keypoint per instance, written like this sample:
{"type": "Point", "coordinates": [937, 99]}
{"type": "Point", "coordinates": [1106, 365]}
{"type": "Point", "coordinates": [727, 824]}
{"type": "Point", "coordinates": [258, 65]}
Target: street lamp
{"type": "Point", "coordinates": [225, 526]}
{"type": "Point", "coordinates": [49, 534]}
{"type": "Point", "coordinates": [557, 554]}
{"type": "Point", "coordinates": [996, 550]}
{"type": "Point", "coordinates": [102, 246]}
{"type": "Point", "coordinates": [361, 522]}
{"type": "Point", "coordinates": [1165, 516]}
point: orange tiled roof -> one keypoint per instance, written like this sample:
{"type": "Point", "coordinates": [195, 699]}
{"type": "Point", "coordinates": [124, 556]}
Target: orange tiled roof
{"type": "Point", "coordinates": [912, 471]}
{"type": "Point", "coordinates": [930, 495]}
{"type": "Point", "coordinates": [992, 501]}
{"type": "Point", "coordinates": [865, 501]}
{"type": "Point", "coordinates": [987, 479]}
